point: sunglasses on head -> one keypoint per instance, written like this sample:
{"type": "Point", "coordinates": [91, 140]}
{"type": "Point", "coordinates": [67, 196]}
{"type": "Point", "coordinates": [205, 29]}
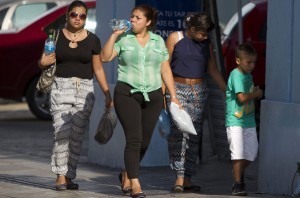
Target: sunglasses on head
{"type": "Point", "coordinates": [76, 14]}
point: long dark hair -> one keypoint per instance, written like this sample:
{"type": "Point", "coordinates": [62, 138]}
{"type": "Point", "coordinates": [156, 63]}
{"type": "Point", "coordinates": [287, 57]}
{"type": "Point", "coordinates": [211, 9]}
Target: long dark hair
{"type": "Point", "coordinates": [150, 13]}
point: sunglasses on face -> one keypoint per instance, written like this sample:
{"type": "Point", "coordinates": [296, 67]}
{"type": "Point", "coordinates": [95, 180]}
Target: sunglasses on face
{"type": "Point", "coordinates": [76, 14]}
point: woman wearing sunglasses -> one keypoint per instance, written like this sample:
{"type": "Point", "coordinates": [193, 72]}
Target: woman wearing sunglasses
{"type": "Point", "coordinates": [77, 58]}
{"type": "Point", "coordinates": [138, 99]}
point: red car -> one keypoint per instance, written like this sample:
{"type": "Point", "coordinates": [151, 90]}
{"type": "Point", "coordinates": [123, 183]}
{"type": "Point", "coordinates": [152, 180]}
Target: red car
{"type": "Point", "coordinates": [22, 43]}
{"type": "Point", "coordinates": [254, 31]}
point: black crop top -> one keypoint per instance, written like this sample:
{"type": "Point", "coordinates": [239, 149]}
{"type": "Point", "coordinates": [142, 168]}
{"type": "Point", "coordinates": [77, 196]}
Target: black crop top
{"type": "Point", "coordinates": [76, 62]}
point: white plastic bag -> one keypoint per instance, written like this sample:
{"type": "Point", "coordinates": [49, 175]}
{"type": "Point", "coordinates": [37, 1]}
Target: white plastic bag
{"type": "Point", "coordinates": [106, 126]}
{"type": "Point", "coordinates": [164, 124]}
{"type": "Point", "coordinates": [182, 119]}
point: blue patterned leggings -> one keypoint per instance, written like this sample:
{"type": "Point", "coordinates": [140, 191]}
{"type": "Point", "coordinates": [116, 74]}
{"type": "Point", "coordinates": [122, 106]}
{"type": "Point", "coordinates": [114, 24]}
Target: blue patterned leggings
{"type": "Point", "coordinates": [72, 100]}
{"type": "Point", "coordinates": [184, 148]}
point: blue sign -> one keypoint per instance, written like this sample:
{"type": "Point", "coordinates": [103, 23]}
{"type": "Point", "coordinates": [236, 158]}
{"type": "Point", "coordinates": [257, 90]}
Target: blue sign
{"type": "Point", "coordinates": [171, 14]}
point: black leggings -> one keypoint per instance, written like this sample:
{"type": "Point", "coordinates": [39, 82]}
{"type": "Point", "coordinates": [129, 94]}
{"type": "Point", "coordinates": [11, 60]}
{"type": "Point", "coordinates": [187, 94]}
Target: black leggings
{"type": "Point", "coordinates": [138, 119]}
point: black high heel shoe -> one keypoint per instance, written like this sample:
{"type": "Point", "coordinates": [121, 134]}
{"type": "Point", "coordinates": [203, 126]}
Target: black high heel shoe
{"type": "Point", "coordinates": [125, 189]}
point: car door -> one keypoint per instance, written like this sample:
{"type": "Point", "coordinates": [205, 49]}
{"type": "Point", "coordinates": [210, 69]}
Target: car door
{"type": "Point", "coordinates": [13, 64]}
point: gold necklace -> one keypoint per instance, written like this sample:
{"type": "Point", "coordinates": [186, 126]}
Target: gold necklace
{"type": "Point", "coordinates": [73, 43]}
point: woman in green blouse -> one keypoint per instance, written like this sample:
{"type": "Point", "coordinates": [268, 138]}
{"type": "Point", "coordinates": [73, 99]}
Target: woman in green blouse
{"type": "Point", "coordinates": [138, 99]}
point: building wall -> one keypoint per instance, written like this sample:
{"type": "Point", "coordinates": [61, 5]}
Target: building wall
{"type": "Point", "coordinates": [280, 113]}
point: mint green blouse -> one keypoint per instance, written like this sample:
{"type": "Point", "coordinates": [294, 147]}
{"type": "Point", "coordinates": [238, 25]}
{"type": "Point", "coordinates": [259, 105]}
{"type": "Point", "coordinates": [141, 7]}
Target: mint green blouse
{"type": "Point", "coordinates": [141, 67]}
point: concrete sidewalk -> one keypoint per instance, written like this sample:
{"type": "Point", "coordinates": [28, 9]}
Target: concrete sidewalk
{"type": "Point", "coordinates": [25, 148]}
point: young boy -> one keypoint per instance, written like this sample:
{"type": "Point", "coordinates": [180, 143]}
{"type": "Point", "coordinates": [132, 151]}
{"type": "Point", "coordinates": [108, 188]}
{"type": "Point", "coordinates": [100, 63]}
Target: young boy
{"type": "Point", "coordinates": [240, 120]}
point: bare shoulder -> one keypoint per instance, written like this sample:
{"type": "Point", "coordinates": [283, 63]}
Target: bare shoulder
{"type": "Point", "coordinates": [173, 38]}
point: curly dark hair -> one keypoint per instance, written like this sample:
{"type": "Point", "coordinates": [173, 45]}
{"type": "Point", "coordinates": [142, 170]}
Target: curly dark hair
{"type": "Point", "coordinates": [200, 22]}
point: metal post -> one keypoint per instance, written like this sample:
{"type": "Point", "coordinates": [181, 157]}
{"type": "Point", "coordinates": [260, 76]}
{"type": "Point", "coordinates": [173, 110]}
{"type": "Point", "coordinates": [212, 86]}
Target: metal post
{"type": "Point", "coordinates": [240, 21]}
{"type": "Point", "coordinates": [217, 37]}
{"type": "Point", "coordinates": [216, 105]}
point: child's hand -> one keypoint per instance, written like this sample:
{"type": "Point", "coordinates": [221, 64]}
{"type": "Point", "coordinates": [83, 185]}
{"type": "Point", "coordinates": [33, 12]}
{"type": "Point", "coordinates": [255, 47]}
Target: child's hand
{"type": "Point", "coordinates": [256, 88]}
{"type": "Point", "coordinates": [259, 92]}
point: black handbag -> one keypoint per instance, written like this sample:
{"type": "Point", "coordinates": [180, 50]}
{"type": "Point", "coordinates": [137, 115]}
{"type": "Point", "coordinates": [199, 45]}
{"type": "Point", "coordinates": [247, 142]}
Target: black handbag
{"type": "Point", "coordinates": [106, 127]}
{"type": "Point", "coordinates": [47, 75]}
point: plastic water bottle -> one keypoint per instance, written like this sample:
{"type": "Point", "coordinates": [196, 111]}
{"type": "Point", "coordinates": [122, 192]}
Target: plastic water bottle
{"type": "Point", "coordinates": [49, 45]}
{"type": "Point", "coordinates": [120, 24]}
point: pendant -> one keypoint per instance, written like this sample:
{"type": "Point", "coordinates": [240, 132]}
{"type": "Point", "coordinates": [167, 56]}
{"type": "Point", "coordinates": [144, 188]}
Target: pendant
{"type": "Point", "coordinates": [73, 44]}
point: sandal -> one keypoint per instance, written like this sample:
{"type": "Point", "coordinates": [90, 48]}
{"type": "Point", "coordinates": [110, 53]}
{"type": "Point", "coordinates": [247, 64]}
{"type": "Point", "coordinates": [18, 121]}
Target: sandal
{"type": "Point", "coordinates": [138, 195]}
{"type": "Point", "coordinates": [60, 187]}
{"type": "Point", "coordinates": [125, 189]}
{"type": "Point", "coordinates": [66, 186]}
{"type": "Point", "coordinates": [178, 189]}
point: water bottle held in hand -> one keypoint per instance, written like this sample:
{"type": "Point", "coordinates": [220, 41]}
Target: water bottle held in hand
{"type": "Point", "coordinates": [49, 45]}
{"type": "Point", "coordinates": [120, 24]}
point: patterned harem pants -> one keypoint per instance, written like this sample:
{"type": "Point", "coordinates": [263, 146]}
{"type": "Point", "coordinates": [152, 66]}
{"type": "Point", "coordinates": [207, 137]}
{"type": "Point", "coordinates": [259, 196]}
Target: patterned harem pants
{"type": "Point", "coordinates": [71, 103]}
{"type": "Point", "coordinates": [184, 148]}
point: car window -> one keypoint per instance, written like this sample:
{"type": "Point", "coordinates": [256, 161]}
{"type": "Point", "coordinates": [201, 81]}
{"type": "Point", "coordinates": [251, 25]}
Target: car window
{"type": "Point", "coordinates": [25, 13]}
{"type": "Point", "coordinates": [232, 24]}
{"type": "Point", "coordinates": [2, 15]}
{"type": "Point", "coordinates": [59, 23]}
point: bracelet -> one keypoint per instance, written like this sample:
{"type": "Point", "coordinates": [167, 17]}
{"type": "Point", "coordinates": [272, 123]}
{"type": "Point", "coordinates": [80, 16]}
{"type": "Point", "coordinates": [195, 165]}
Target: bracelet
{"type": "Point", "coordinates": [173, 97]}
